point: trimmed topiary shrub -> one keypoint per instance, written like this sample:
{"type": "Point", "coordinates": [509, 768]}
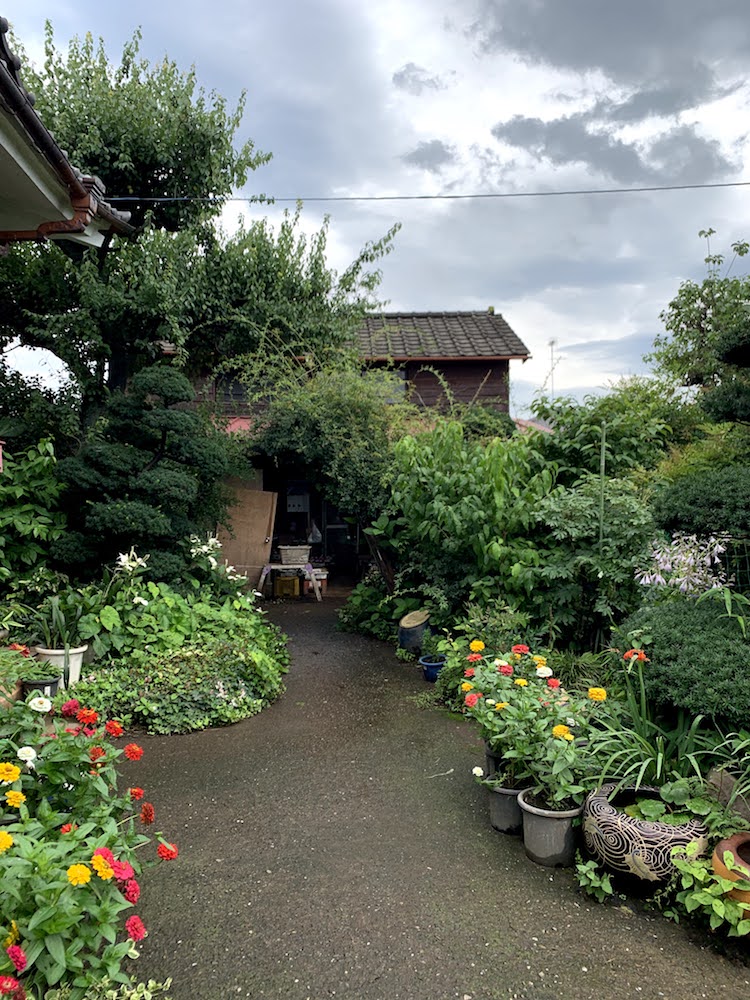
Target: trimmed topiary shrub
{"type": "Point", "coordinates": [709, 502]}
{"type": "Point", "coordinates": [699, 659]}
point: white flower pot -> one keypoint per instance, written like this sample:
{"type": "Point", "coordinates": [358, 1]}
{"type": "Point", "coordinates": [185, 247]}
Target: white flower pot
{"type": "Point", "coordinates": [57, 657]}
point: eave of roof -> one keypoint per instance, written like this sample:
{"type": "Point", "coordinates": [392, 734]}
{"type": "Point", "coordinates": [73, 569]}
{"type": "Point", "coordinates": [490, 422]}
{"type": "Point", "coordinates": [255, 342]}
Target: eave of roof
{"type": "Point", "coordinates": [440, 336]}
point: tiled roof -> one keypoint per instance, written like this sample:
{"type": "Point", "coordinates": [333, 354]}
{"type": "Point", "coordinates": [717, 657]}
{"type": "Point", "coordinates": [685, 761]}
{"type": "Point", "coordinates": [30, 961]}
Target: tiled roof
{"type": "Point", "coordinates": [434, 335]}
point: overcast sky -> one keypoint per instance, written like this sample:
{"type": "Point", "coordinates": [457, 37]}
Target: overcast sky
{"type": "Point", "coordinates": [414, 97]}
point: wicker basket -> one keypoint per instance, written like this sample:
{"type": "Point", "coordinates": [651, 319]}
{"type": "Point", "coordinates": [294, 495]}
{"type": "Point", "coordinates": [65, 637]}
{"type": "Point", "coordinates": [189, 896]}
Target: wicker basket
{"type": "Point", "coordinates": [294, 554]}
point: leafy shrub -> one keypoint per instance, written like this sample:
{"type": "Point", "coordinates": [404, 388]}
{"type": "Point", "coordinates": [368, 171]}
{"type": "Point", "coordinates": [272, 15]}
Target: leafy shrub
{"type": "Point", "coordinates": [191, 688]}
{"type": "Point", "coordinates": [699, 659]}
{"type": "Point", "coordinates": [708, 502]}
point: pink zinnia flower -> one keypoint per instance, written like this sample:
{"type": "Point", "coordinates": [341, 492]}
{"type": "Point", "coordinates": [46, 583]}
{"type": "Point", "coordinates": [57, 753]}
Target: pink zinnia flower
{"type": "Point", "coordinates": [135, 928]}
{"type": "Point", "coordinates": [471, 699]}
{"type": "Point", "coordinates": [519, 649]}
{"type": "Point", "coordinates": [123, 870]}
{"type": "Point", "coordinates": [505, 669]}
{"type": "Point", "coordinates": [469, 672]}
{"type": "Point", "coordinates": [70, 708]}
{"type": "Point", "coordinates": [17, 956]}
{"type": "Point", "coordinates": [10, 987]}
{"type": "Point", "coordinates": [105, 853]}
{"type": "Point", "coordinates": [132, 891]}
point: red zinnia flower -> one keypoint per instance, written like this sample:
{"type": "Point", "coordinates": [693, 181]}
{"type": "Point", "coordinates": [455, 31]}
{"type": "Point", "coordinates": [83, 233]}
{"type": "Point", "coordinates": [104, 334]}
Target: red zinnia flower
{"type": "Point", "coordinates": [105, 853]}
{"type": "Point", "coordinates": [471, 699]}
{"type": "Point", "coordinates": [133, 751]}
{"type": "Point", "coordinates": [123, 871]}
{"type": "Point", "coordinates": [114, 728]}
{"type": "Point", "coordinates": [68, 827]}
{"type": "Point", "coordinates": [519, 649]}
{"type": "Point", "coordinates": [87, 716]}
{"type": "Point", "coordinates": [74, 730]}
{"type": "Point", "coordinates": [135, 928]}
{"type": "Point", "coordinates": [20, 648]}
{"type": "Point", "coordinates": [132, 891]}
{"type": "Point", "coordinates": [147, 813]}
{"type": "Point", "coordinates": [10, 987]}
{"type": "Point", "coordinates": [474, 657]}
{"type": "Point", "coordinates": [17, 957]}
{"type": "Point", "coordinates": [505, 669]}
{"type": "Point", "coordinates": [167, 852]}
{"type": "Point", "coordinates": [469, 672]}
{"type": "Point", "coordinates": [89, 730]}
{"type": "Point", "coordinates": [70, 708]}
{"type": "Point", "coordinates": [96, 753]}
{"type": "Point", "coordinates": [553, 682]}
{"type": "Point", "coordinates": [136, 793]}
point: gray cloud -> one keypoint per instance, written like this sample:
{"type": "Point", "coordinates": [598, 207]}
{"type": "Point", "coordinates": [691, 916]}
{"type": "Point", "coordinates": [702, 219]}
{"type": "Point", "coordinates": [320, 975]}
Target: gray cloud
{"type": "Point", "coordinates": [432, 155]}
{"type": "Point", "coordinates": [620, 353]}
{"type": "Point", "coordinates": [679, 155]}
{"type": "Point", "coordinates": [632, 43]}
{"type": "Point", "coordinates": [415, 79]}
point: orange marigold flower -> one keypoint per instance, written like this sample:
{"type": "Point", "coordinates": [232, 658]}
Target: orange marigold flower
{"type": "Point", "coordinates": [133, 751]}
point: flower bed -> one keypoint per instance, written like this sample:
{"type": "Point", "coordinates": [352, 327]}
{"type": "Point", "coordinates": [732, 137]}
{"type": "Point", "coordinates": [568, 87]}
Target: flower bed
{"type": "Point", "coordinates": [73, 846]}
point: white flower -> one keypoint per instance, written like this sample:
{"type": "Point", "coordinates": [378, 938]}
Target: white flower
{"type": "Point", "coordinates": [40, 705]}
{"type": "Point", "coordinates": [130, 561]}
{"type": "Point", "coordinates": [140, 600]}
{"type": "Point", "coordinates": [212, 562]}
{"type": "Point", "coordinates": [28, 756]}
{"type": "Point", "coordinates": [489, 701]}
{"type": "Point", "coordinates": [477, 772]}
{"type": "Point", "coordinates": [544, 671]}
{"type": "Point", "coordinates": [500, 663]}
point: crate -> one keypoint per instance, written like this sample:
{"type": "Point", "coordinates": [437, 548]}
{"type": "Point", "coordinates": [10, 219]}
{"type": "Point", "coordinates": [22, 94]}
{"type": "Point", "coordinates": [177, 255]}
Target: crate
{"type": "Point", "coordinates": [294, 554]}
{"type": "Point", "coordinates": [286, 586]}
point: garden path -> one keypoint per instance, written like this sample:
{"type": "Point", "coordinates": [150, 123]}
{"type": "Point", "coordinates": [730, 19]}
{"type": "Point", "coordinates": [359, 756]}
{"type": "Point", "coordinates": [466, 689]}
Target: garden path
{"type": "Point", "coordinates": [336, 845]}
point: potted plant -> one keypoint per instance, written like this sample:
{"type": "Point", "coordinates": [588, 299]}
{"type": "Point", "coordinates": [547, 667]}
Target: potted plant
{"type": "Point", "coordinates": [433, 657]}
{"type": "Point", "coordinates": [32, 675]}
{"type": "Point", "coordinates": [55, 628]}
{"type": "Point", "coordinates": [535, 735]}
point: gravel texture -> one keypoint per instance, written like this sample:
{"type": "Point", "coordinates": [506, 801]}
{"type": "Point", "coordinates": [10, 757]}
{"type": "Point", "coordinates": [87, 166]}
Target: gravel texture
{"type": "Point", "coordinates": [337, 846]}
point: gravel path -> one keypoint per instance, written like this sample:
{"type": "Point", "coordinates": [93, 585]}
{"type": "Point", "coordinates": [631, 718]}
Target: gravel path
{"type": "Point", "coordinates": [337, 846]}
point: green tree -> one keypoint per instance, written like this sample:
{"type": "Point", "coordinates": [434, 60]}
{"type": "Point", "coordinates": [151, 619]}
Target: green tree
{"type": "Point", "coordinates": [148, 131]}
{"type": "Point", "coordinates": [148, 474]}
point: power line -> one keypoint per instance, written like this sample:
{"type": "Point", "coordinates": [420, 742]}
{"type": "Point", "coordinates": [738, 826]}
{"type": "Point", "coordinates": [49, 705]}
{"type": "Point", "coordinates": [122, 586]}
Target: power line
{"type": "Point", "coordinates": [447, 197]}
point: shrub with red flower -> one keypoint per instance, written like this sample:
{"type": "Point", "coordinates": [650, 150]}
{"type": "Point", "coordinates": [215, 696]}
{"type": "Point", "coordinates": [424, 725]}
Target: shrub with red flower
{"type": "Point", "coordinates": [70, 708]}
{"type": "Point", "coordinates": [135, 928]}
{"type": "Point", "coordinates": [167, 852]}
{"type": "Point", "coordinates": [17, 956]}
{"type": "Point", "coordinates": [147, 813]}
{"type": "Point", "coordinates": [133, 751]}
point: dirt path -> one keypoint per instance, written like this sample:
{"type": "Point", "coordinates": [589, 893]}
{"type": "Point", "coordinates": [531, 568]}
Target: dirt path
{"type": "Point", "coordinates": [336, 845]}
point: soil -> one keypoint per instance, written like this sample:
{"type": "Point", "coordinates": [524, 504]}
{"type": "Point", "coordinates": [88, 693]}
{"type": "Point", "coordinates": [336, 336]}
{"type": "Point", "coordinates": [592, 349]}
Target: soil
{"type": "Point", "coordinates": [337, 846]}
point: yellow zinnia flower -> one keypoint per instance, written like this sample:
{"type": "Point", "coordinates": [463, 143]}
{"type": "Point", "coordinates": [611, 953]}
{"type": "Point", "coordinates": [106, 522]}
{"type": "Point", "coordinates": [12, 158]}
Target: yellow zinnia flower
{"type": "Point", "coordinates": [79, 875]}
{"type": "Point", "coordinates": [476, 646]}
{"type": "Point", "coordinates": [9, 773]}
{"type": "Point", "coordinates": [501, 705]}
{"type": "Point", "coordinates": [568, 737]}
{"type": "Point", "coordinates": [521, 682]}
{"type": "Point", "coordinates": [541, 661]}
{"type": "Point", "coordinates": [13, 936]}
{"type": "Point", "coordinates": [561, 732]}
{"type": "Point", "coordinates": [5, 841]}
{"type": "Point", "coordinates": [466, 686]}
{"type": "Point", "coordinates": [102, 867]}
{"type": "Point", "coordinates": [597, 694]}
{"type": "Point", "coordinates": [14, 799]}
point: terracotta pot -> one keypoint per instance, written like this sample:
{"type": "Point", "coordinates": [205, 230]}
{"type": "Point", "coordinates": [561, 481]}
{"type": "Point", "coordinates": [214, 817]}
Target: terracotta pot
{"type": "Point", "coordinates": [739, 847]}
{"type": "Point", "coordinates": [631, 845]}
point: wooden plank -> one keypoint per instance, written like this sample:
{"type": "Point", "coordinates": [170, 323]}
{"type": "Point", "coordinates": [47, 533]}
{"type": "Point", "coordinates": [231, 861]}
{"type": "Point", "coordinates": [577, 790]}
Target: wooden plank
{"type": "Point", "coordinates": [248, 547]}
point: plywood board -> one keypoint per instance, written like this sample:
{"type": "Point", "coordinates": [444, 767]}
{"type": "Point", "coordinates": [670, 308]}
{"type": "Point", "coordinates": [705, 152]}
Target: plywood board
{"type": "Point", "coordinates": [248, 547]}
